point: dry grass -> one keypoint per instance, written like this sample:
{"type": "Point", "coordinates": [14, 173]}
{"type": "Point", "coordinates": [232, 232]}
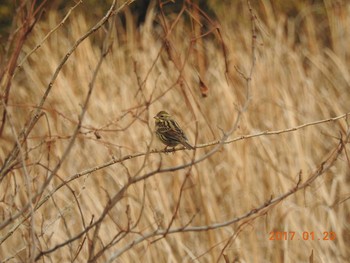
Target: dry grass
{"type": "Point", "coordinates": [294, 82]}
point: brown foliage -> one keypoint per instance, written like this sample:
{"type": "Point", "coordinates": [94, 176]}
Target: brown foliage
{"type": "Point", "coordinates": [266, 103]}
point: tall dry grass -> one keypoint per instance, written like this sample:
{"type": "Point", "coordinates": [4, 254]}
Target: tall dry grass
{"type": "Point", "coordinates": [295, 81]}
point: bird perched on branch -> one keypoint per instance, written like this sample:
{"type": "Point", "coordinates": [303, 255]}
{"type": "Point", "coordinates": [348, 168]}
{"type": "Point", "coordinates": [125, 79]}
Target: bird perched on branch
{"type": "Point", "coordinates": [169, 131]}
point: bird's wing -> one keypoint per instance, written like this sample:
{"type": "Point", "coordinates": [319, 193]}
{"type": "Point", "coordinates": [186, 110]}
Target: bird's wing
{"type": "Point", "coordinates": [172, 130]}
{"type": "Point", "coordinates": [178, 130]}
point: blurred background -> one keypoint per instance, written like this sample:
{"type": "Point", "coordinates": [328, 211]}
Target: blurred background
{"type": "Point", "coordinates": [285, 62]}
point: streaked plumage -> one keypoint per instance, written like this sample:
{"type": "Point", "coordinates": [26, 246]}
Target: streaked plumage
{"type": "Point", "coordinates": [169, 131]}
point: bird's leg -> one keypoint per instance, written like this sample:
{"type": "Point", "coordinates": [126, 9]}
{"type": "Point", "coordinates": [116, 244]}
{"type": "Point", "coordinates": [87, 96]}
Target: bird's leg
{"type": "Point", "coordinates": [166, 149]}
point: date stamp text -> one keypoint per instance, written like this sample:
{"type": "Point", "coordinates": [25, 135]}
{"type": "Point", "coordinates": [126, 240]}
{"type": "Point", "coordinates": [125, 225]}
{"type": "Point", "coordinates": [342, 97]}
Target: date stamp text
{"type": "Point", "coordinates": [305, 235]}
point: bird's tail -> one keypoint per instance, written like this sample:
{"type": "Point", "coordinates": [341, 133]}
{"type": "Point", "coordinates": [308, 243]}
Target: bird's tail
{"type": "Point", "coordinates": [187, 145]}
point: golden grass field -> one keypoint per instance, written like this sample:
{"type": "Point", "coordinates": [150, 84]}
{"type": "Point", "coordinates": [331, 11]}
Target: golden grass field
{"type": "Point", "coordinates": [108, 193]}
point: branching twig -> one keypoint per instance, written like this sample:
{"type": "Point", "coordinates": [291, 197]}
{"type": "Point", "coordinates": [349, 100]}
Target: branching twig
{"type": "Point", "coordinates": [25, 132]}
{"type": "Point", "coordinates": [11, 157]}
{"type": "Point", "coordinates": [323, 167]}
{"type": "Point", "coordinates": [20, 64]}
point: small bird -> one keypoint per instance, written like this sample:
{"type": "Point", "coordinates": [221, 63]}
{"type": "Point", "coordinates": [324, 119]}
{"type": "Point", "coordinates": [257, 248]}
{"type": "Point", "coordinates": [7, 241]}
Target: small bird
{"type": "Point", "coordinates": [169, 132]}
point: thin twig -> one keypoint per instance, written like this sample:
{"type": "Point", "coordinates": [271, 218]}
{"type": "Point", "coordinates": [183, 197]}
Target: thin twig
{"type": "Point", "coordinates": [260, 210]}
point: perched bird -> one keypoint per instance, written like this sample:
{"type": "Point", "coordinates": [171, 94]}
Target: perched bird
{"type": "Point", "coordinates": [169, 132]}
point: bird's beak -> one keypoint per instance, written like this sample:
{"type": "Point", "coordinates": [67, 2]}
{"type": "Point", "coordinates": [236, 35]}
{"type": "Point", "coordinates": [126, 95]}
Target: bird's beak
{"type": "Point", "coordinates": [156, 117]}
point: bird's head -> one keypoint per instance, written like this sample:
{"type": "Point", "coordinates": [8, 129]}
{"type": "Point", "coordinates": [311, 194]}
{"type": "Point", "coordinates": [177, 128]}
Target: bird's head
{"type": "Point", "coordinates": [162, 116]}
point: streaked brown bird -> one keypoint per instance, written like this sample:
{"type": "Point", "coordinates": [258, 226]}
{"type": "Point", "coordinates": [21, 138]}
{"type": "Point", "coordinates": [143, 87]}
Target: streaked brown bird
{"type": "Point", "coordinates": [169, 131]}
